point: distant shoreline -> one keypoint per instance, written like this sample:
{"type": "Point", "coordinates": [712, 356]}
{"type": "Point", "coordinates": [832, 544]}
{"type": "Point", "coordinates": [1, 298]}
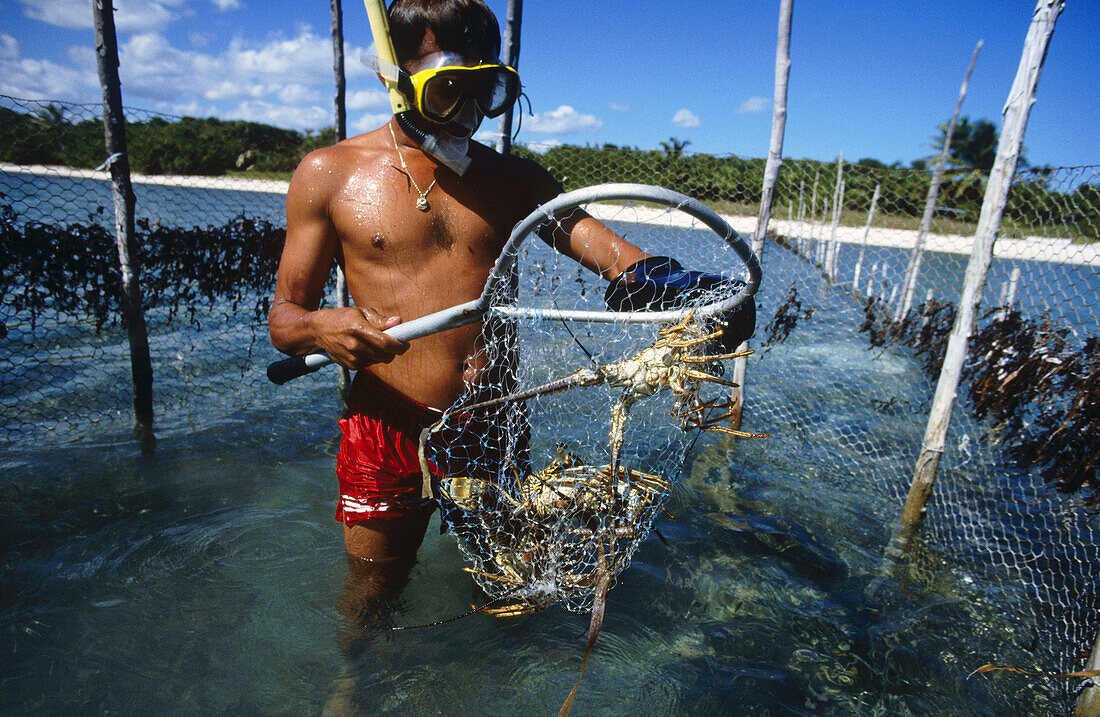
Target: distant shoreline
{"type": "Point", "coordinates": [1057, 250]}
{"type": "Point", "coordinates": [236, 184]}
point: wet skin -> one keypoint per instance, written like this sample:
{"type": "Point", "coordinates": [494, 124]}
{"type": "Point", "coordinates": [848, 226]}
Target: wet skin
{"type": "Point", "coordinates": [355, 203]}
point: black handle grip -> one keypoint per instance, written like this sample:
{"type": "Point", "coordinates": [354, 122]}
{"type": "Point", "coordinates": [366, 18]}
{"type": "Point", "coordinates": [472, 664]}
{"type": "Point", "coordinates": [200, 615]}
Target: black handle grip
{"type": "Point", "coordinates": [288, 369]}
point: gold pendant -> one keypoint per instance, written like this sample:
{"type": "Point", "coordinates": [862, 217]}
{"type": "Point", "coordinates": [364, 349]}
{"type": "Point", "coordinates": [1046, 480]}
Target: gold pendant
{"type": "Point", "coordinates": [422, 204]}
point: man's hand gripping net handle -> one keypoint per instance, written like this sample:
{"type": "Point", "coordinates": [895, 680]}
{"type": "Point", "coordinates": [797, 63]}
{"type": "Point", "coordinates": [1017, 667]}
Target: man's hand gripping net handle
{"type": "Point", "coordinates": [282, 371]}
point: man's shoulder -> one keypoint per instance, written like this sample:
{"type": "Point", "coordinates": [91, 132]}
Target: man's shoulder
{"type": "Point", "coordinates": [521, 172]}
{"type": "Point", "coordinates": [331, 166]}
{"type": "Point", "coordinates": [510, 162]}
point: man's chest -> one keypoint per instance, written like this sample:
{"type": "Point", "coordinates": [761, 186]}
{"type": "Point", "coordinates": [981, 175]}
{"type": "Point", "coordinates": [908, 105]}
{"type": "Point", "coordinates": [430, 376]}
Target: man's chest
{"type": "Point", "coordinates": [397, 221]}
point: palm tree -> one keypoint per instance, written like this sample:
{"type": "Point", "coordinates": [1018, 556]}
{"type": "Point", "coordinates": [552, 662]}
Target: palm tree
{"type": "Point", "coordinates": [52, 115]}
{"type": "Point", "coordinates": [674, 147]}
{"type": "Point", "coordinates": [973, 146]}
{"type": "Point", "coordinates": [53, 122]}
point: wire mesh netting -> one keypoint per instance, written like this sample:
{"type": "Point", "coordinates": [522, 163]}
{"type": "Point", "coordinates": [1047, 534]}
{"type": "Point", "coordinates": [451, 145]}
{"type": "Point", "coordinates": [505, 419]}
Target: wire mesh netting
{"type": "Point", "coordinates": [207, 248]}
{"type": "Point", "coordinates": [554, 463]}
{"type": "Point", "coordinates": [845, 364]}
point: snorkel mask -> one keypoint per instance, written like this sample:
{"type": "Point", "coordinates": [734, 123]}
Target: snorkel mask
{"type": "Point", "coordinates": [446, 83]}
{"type": "Point", "coordinates": [446, 89]}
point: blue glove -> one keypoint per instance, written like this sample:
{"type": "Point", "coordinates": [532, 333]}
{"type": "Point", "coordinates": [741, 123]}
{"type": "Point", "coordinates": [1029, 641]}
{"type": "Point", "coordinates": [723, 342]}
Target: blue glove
{"type": "Point", "coordinates": [659, 283]}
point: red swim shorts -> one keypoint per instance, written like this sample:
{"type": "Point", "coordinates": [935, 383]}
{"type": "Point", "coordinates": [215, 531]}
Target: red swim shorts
{"type": "Point", "coordinates": [378, 465]}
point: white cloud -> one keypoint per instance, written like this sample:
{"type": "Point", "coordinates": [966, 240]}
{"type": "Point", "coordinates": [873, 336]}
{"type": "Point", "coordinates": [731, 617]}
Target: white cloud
{"type": "Point", "coordinates": [618, 107]}
{"type": "Point", "coordinates": [285, 80]}
{"type": "Point", "coordinates": [9, 48]}
{"type": "Point", "coordinates": [297, 94]}
{"type": "Point", "coordinates": [38, 79]}
{"type": "Point", "coordinates": [304, 58]}
{"type": "Point", "coordinates": [226, 4]}
{"type": "Point", "coordinates": [373, 99]}
{"type": "Point", "coordinates": [542, 146]}
{"type": "Point", "coordinates": [288, 79]}
{"type": "Point", "coordinates": [367, 122]}
{"type": "Point", "coordinates": [753, 105]}
{"type": "Point", "coordinates": [281, 115]}
{"type": "Point", "coordinates": [563, 120]}
{"type": "Point", "coordinates": [130, 16]}
{"type": "Point", "coordinates": [686, 118]}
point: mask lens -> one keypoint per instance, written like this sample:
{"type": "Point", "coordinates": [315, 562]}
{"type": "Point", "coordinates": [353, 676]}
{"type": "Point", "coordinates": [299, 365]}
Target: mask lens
{"type": "Point", "coordinates": [442, 94]}
{"type": "Point", "coordinates": [498, 91]}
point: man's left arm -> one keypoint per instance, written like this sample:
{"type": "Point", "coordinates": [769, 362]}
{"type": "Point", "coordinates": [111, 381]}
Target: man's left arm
{"type": "Point", "coordinates": [639, 281]}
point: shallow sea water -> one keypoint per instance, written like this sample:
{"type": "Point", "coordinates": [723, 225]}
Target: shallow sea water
{"type": "Point", "coordinates": [207, 579]}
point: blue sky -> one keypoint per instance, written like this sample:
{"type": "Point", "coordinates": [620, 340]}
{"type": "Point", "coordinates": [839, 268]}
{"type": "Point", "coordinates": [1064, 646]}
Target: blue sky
{"type": "Point", "coordinates": [869, 79]}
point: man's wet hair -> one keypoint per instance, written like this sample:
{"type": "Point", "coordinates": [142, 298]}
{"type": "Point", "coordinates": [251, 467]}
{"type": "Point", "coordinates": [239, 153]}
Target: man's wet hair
{"type": "Point", "coordinates": [464, 27]}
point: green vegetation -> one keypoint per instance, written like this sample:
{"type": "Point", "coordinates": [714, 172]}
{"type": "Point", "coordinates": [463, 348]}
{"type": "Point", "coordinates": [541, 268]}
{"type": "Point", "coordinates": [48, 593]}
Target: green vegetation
{"type": "Point", "coordinates": [732, 184]}
{"type": "Point", "coordinates": [973, 146]}
{"type": "Point", "coordinates": [1039, 204]}
{"type": "Point", "coordinates": [210, 147]}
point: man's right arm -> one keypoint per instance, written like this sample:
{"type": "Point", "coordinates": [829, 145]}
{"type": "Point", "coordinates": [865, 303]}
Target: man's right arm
{"type": "Point", "coordinates": [352, 336]}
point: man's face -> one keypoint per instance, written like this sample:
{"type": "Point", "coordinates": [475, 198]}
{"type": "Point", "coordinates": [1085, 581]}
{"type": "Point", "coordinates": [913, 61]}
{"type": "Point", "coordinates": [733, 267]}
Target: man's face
{"type": "Point", "coordinates": [429, 54]}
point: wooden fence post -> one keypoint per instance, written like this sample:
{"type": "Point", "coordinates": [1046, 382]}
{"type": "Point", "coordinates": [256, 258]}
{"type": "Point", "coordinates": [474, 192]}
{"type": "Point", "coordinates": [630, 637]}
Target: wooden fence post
{"type": "Point", "coordinates": [1016, 111]}
{"type": "Point", "coordinates": [339, 103]}
{"type": "Point", "coordinates": [114, 128]}
{"type": "Point", "coordinates": [833, 247]}
{"type": "Point", "coordinates": [866, 238]}
{"type": "Point", "coordinates": [909, 285]}
{"type": "Point", "coordinates": [771, 177]}
{"type": "Point", "coordinates": [343, 376]}
{"type": "Point", "coordinates": [511, 58]}
{"type": "Point", "coordinates": [1088, 702]}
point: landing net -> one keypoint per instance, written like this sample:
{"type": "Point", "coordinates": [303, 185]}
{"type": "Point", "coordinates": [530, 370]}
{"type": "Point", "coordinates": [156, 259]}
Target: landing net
{"type": "Point", "coordinates": [527, 464]}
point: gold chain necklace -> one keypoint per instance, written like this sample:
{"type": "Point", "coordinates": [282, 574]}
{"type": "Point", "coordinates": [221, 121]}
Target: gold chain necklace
{"type": "Point", "coordinates": [422, 202]}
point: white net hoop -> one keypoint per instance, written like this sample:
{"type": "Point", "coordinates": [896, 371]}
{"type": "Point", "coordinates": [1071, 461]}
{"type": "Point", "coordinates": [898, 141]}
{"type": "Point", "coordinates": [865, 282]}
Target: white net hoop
{"type": "Point", "coordinates": [553, 464]}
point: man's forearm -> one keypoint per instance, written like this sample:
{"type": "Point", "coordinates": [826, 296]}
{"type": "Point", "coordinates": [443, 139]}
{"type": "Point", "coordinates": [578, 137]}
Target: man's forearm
{"type": "Point", "coordinates": [293, 329]}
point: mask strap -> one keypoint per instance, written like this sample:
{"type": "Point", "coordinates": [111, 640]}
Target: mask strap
{"type": "Point", "coordinates": [386, 69]}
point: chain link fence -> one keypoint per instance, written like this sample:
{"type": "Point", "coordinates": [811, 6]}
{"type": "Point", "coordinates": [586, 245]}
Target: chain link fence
{"type": "Point", "coordinates": [208, 248]}
{"type": "Point", "coordinates": [842, 378]}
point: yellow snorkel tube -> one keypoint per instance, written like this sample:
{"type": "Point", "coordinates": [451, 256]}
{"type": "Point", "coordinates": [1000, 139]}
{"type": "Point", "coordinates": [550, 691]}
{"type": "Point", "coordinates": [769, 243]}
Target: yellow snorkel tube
{"type": "Point", "coordinates": [383, 43]}
{"type": "Point", "coordinates": [450, 151]}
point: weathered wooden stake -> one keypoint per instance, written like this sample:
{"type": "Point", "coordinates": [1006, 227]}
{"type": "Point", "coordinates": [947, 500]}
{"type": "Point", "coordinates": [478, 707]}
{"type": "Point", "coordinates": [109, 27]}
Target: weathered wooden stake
{"type": "Point", "coordinates": [812, 250]}
{"type": "Point", "coordinates": [114, 128]}
{"type": "Point", "coordinates": [343, 376]}
{"type": "Point", "coordinates": [339, 104]}
{"type": "Point", "coordinates": [1016, 111]}
{"type": "Point", "coordinates": [838, 207]}
{"type": "Point", "coordinates": [771, 176]}
{"type": "Point", "coordinates": [909, 286]}
{"type": "Point", "coordinates": [866, 238]}
{"type": "Point", "coordinates": [511, 58]}
{"type": "Point", "coordinates": [1008, 294]}
{"type": "Point", "coordinates": [1088, 702]}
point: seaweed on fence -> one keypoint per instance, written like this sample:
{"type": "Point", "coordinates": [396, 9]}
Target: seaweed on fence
{"type": "Point", "coordinates": [1042, 397]}
{"type": "Point", "coordinates": [236, 261]}
{"type": "Point", "coordinates": [925, 331]}
{"type": "Point", "coordinates": [70, 269]}
{"type": "Point", "coordinates": [786, 319]}
{"type": "Point", "coordinates": [1040, 394]}
{"type": "Point", "coordinates": [73, 268]}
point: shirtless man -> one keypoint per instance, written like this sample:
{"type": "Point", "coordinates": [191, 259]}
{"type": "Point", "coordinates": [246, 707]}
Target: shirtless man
{"type": "Point", "coordinates": [413, 237]}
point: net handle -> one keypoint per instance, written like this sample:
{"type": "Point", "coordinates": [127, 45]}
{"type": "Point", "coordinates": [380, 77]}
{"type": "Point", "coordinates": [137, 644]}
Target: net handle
{"type": "Point", "coordinates": [618, 191]}
{"type": "Point", "coordinates": [285, 370]}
